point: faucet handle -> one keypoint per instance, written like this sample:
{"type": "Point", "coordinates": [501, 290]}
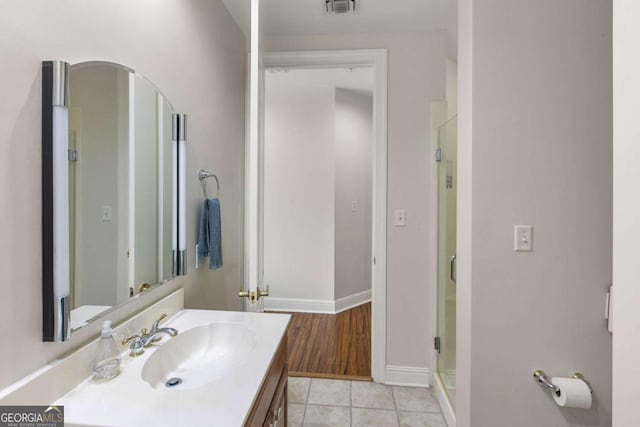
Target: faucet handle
{"type": "Point", "coordinates": [136, 347]}
{"type": "Point", "coordinates": [162, 317]}
{"type": "Point", "coordinates": [129, 339]}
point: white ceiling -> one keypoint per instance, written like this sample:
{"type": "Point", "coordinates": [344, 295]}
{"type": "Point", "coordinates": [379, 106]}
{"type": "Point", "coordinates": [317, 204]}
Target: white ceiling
{"type": "Point", "coordinates": [357, 79]}
{"type": "Point", "coordinates": [309, 16]}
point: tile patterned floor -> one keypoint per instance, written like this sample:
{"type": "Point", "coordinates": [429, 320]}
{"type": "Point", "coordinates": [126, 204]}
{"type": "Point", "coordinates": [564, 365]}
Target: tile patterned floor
{"type": "Point", "coordinates": [334, 403]}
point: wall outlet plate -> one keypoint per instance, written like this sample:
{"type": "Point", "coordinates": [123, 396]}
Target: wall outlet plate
{"type": "Point", "coordinates": [400, 218]}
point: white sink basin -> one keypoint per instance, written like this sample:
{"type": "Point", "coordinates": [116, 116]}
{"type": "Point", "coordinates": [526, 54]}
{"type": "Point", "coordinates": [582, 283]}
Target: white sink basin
{"type": "Point", "coordinates": [200, 356]}
{"type": "Point", "coordinates": [221, 356]}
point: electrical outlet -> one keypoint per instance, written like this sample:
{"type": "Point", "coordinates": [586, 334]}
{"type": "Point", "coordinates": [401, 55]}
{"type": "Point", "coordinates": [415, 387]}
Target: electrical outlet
{"type": "Point", "coordinates": [354, 206]}
{"type": "Point", "coordinates": [523, 241]}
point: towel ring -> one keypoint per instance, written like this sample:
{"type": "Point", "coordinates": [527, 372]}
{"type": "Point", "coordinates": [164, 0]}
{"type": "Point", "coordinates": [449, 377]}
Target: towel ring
{"type": "Point", "coordinates": [202, 176]}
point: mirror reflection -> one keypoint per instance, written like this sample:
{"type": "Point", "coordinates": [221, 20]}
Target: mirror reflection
{"type": "Point", "coordinates": [120, 179]}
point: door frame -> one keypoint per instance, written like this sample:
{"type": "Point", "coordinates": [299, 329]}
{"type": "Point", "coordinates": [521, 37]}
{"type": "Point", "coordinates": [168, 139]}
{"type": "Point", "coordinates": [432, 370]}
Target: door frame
{"type": "Point", "coordinates": [377, 59]}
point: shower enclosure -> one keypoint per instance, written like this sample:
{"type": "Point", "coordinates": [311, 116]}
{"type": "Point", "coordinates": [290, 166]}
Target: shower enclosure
{"type": "Point", "coordinates": [447, 191]}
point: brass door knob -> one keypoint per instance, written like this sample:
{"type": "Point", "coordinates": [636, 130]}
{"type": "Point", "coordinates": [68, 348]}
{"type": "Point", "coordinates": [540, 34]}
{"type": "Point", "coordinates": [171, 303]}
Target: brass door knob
{"type": "Point", "coordinates": [254, 296]}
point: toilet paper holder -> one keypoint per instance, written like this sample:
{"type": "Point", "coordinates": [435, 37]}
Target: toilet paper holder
{"type": "Point", "coordinates": [543, 379]}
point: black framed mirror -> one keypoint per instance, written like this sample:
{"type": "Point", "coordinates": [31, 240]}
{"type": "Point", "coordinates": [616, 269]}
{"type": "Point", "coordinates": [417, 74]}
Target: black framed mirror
{"type": "Point", "coordinates": [111, 191]}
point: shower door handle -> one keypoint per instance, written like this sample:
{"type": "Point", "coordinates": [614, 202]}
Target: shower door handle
{"type": "Point", "coordinates": [452, 267]}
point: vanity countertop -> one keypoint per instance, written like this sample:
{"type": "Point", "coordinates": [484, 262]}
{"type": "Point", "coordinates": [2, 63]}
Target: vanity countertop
{"type": "Point", "coordinates": [128, 400]}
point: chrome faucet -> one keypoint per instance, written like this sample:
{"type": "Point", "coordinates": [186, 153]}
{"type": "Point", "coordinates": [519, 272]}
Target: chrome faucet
{"type": "Point", "coordinates": [156, 330]}
{"type": "Point", "coordinates": [140, 342]}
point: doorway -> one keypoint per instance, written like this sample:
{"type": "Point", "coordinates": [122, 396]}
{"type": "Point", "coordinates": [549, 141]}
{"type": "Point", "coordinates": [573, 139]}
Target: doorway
{"type": "Point", "coordinates": [376, 61]}
{"type": "Point", "coordinates": [317, 214]}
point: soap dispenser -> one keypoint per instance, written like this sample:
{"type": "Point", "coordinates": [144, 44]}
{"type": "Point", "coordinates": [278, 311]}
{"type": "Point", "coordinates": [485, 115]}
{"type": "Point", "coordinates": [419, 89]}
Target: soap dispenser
{"type": "Point", "coordinates": [106, 363]}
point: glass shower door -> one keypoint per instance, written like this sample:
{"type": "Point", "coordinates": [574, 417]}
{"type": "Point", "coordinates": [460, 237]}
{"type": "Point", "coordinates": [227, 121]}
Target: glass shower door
{"type": "Point", "coordinates": [447, 191]}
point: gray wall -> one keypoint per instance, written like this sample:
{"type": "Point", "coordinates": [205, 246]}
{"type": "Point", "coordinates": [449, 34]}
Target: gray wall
{"type": "Point", "coordinates": [194, 52]}
{"type": "Point", "coordinates": [353, 157]}
{"type": "Point", "coordinates": [145, 142]}
{"type": "Point", "coordinates": [416, 77]}
{"type": "Point", "coordinates": [317, 161]}
{"type": "Point", "coordinates": [94, 111]}
{"type": "Point", "coordinates": [535, 148]}
{"type": "Point", "coordinates": [299, 192]}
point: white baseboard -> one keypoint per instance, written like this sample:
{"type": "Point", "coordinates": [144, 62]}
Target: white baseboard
{"type": "Point", "coordinates": [299, 305]}
{"type": "Point", "coordinates": [450, 379]}
{"type": "Point", "coordinates": [351, 301]}
{"type": "Point", "coordinates": [445, 404]}
{"type": "Point", "coordinates": [317, 305]}
{"type": "Point", "coordinates": [407, 376]}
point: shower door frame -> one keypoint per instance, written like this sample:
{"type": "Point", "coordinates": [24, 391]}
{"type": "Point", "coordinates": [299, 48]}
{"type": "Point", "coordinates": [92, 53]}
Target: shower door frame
{"type": "Point", "coordinates": [439, 116]}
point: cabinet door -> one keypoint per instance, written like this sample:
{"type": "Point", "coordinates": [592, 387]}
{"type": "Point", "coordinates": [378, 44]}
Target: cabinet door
{"type": "Point", "coordinates": [272, 392]}
{"type": "Point", "coordinates": [277, 416]}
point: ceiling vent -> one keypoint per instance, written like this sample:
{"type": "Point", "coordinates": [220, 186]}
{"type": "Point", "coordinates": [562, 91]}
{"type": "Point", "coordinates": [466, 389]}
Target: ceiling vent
{"type": "Point", "coordinates": [340, 6]}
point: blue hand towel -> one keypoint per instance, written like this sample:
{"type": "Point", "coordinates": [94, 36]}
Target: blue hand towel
{"type": "Point", "coordinates": [210, 233]}
{"type": "Point", "coordinates": [203, 231]}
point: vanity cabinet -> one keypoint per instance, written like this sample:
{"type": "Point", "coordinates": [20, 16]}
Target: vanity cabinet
{"type": "Point", "coordinates": [270, 406]}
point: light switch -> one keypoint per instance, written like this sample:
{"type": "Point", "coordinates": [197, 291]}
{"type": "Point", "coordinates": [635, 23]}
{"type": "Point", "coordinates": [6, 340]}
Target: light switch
{"type": "Point", "coordinates": [523, 238]}
{"type": "Point", "coordinates": [400, 218]}
{"type": "Point", "coordinates": [354, 206]}
{"type": "Point", "coordinates": [107, 214]}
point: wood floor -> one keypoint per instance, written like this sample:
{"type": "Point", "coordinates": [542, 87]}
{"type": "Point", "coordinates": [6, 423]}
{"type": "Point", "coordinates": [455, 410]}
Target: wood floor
{"type": "Point", "coordinates": [331, 345]}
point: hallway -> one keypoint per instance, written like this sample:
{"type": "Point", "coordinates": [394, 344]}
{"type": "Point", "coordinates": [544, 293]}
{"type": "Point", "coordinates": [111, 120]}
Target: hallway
{"type": "Point", "coordinates": [331, 345]}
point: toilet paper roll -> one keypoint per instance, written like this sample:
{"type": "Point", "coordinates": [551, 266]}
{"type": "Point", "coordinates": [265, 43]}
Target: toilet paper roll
{"type": "Point", "coordinates": [574, 393]}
